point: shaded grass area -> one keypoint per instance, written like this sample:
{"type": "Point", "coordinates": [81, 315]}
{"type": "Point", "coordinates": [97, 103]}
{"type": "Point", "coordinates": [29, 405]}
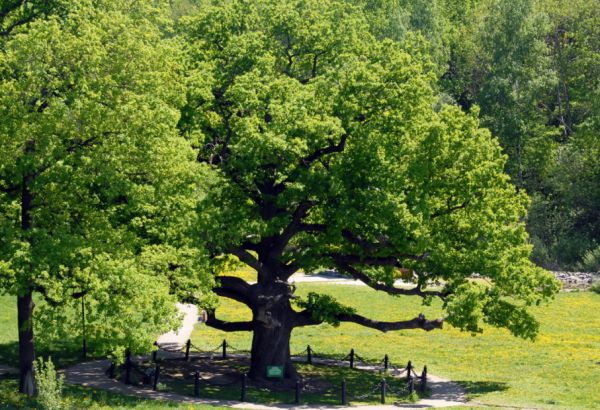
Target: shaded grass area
{"type": "Point", "coordinates": [222, 379]}
{"type": "Point", "coordinates": [561, 370]}
{"type": "Point", "coordinates": [64, 353]}
{"type": "Point", "coordinates": [80, 397]}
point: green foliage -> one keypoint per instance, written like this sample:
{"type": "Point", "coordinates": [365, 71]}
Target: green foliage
{"type": "Point", "coordinates": [300, 77]}
{"type": "Point", "coordinates": [595, 287]}
{"type": "Point", "coordinates": [324, 308]}
{"type": "Point", "coordinates": [591, 261]}
{"type": "Point", "coordinates": [91, 158]}
{"type": "Point", "coordinates": [50, 387]}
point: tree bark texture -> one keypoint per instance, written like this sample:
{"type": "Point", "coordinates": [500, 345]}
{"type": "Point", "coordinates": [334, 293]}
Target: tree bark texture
{"type": "Point", "coordinates": [271, 345]}
{"type": "Point", "coordinates": [25, 304]}
{"type": "Point", "coordinates": [27, 383]}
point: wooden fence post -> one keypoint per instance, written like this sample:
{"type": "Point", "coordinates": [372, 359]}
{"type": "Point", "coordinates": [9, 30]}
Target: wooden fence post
{"type": "Point", "coordinates": [197, 384]}
{"type": "Point", "coordinates": [382, 391]}
{"type": "Point", "coordinates": [309, 355]}
{"type": "Point", "coordinates": [343, 392]}
{"type": "Point", "coordinates": [352, 358]}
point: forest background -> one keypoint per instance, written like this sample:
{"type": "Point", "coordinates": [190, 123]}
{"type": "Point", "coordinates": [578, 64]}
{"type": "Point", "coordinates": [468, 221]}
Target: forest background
{"type": "Point", "coordinates": [533, 69]}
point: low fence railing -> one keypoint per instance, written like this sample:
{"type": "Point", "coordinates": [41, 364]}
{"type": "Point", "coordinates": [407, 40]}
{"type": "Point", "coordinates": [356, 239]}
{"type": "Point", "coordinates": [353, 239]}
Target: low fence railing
{"type": "Point", "coordinates": [383, 388]}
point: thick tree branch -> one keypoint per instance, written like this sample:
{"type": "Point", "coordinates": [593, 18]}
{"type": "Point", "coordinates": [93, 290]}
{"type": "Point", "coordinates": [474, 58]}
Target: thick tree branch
{"type": "Point", "coordinates": [377, 260]}
{"type": "Point", "coordinates": [307, 161]}
{"type": "Point", "coordinates": [213, 322]}
{"type": "Point", "coordinates": [304, 318]}
{"type": "Point", "coordinates": [246, 257]}
{"type": "Point", "coordinates": [292, 229]}
{"type": "Point", "coordinates": [416, 291]}
{"type": "Point", "coordinates": [9, 189]}
{"type": "Point", "coordinates": [417, 323]}
{"type": "Point", "coordinates": [368, 247]}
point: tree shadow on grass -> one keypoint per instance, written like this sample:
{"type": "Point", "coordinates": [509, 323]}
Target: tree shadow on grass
{"type": "Point", "coordinates": [64, 353]}
{"type": "Point", "coordinates": [476, 390]}
{"type": "Point", "coordinates": [79, 397]}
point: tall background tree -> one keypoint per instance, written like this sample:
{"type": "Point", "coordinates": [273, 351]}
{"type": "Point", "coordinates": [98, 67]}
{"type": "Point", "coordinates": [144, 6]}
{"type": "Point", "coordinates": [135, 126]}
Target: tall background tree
{"type": "Point", "coordinates": [327, 151]}
{"type": "Point", "coordinates": [97, 190]}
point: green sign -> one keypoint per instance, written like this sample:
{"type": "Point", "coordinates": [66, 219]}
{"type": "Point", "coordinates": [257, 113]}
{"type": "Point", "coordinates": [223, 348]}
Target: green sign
{"type": "Point", "coordinates": [274, 371]}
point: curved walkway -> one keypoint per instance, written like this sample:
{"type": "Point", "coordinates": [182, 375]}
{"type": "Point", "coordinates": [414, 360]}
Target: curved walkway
{"type": "Point", "coordinates": [92, 374]}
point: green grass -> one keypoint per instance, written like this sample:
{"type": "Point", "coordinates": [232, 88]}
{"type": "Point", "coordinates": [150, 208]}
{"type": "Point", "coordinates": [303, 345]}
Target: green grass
{"type": "Point", "coordinates": [561, 370]}
{"type": "Point", "coordinates": [86, 398]}
{"type": "Point", "coordinates": [64, 353]}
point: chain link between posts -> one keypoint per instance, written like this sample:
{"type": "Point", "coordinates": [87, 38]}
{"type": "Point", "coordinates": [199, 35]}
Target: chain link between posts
{"type": "Point", "coordinates": [364, 396]}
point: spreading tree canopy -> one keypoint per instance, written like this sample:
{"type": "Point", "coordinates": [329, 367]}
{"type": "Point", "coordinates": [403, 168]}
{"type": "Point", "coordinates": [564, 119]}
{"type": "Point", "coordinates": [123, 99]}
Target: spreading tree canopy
{"type": "Point", "coordinates": [327, 151]}
{"type": "Point", "coordinates": [97, 190]}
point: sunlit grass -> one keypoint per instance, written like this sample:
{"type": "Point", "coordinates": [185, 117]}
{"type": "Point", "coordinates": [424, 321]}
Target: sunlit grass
{"type": "Point", "coordinates": [561, 370]}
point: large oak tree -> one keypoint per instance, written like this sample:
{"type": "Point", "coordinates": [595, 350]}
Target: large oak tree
{"type": "Point", "coordinates": [328, 152]}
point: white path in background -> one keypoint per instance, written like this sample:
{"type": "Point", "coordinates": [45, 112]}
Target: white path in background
{"type": "Point", "coordinates": [8, 370]}
{"type": "Point", "coordinates": [303, 278]}
{"type": "Point", "coordinates": [175, 341]}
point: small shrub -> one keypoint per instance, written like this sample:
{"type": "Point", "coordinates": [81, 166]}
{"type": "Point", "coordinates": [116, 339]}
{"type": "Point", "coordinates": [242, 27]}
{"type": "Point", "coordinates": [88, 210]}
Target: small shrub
{"type": "Point", "coordinates": [595, 287]}
{"type": "Point", "coordinates": [591, 261]}
{"type": "Point", "coordinates": [49, 387]}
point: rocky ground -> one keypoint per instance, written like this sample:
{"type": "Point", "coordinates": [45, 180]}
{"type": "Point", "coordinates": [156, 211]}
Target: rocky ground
{"type": "Point", "coordinates": [576, 279]}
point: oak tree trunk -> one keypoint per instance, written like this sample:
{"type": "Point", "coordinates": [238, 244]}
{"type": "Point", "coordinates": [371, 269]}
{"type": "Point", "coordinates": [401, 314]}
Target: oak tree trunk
{"type": "Point", "coordinates": [271, 344]}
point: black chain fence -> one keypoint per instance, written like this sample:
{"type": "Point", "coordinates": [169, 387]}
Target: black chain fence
{"type": "Point", "coordinates": [352, 358]}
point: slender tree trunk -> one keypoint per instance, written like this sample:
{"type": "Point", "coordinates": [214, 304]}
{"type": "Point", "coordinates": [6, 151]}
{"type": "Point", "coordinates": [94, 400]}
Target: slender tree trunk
{"type": "Point", "coordinates": [25, 305]}
{"type": "Point", "coordinates": [560, 114]}
{"type": "Point", "coordinates": [567, 108]}
{"type": "Point", "coordinates": [520, 168]}
{"type": "Point", "coordinates": [27, 384]}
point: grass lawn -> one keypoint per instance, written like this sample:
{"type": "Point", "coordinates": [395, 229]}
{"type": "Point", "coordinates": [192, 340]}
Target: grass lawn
{"type": "Point", "coordinates": [561, 370]}
{"type": "Point", "coordinates": [85, 398]}
{"type": "Point", "coordinates": [64, 353]}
